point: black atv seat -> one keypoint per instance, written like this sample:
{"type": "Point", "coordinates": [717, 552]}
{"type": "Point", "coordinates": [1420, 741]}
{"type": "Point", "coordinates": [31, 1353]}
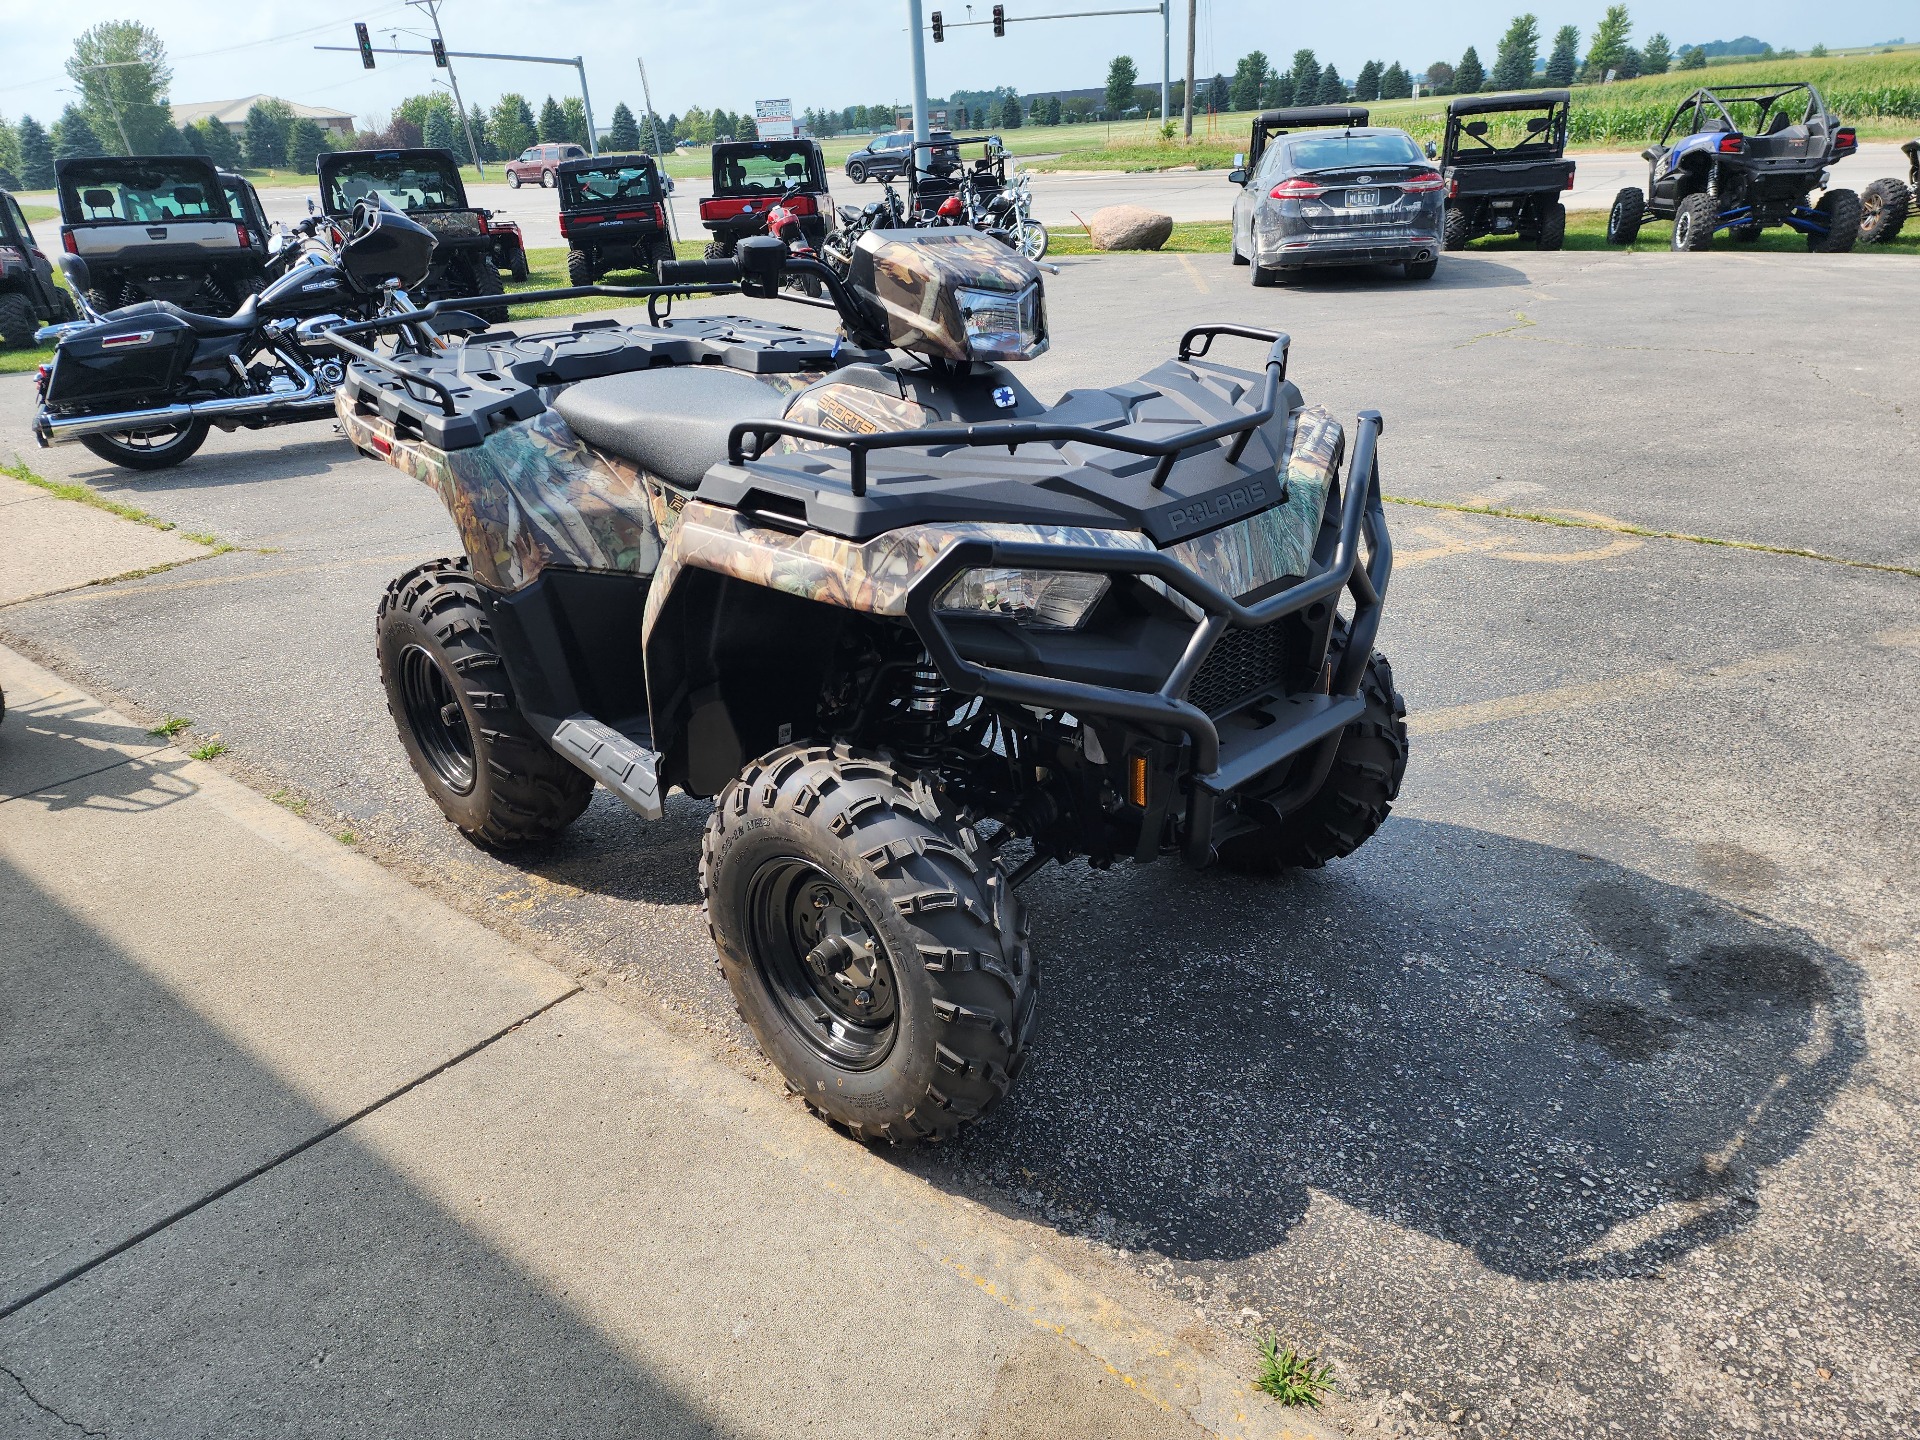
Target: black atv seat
{"type": "Point", "coordinates": [238, 323]}
{"type": "Point", "coordinates": [673, 421]}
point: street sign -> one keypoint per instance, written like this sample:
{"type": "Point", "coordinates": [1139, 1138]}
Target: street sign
{"type": "Point", "coordinates": [773, 119]}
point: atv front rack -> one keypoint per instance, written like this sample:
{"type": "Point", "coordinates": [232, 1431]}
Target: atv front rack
{"type": "Point", "coordinates": [1015, 433]}
{"type": "Point", "coordinates": [1222, 764]}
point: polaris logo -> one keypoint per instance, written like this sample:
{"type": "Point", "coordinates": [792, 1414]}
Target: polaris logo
{"type": "Point", "coordinates": [1003, 397]}
{"type": "Point", "coordinates": [1218, 507]}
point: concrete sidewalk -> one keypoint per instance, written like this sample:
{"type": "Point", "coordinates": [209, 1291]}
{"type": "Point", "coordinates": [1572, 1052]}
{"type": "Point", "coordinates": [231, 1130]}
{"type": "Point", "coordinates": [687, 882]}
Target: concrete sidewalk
{"type": "Point", "coordinates": [295, 1150]}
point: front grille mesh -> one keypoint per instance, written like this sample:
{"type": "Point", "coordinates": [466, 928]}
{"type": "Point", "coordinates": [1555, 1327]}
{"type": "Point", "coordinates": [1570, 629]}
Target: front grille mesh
{"type": "Point", "coordinates": [1241, 662]}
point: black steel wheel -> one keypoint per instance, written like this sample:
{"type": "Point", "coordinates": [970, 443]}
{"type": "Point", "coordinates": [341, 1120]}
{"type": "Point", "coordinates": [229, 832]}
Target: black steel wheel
{"type": "Point", "coordinates": [877, 952]}
{"type": "Point", "coordinates": [489, 771]}
{"type": "Point", "coordinates": [149, 449]}
{"type": "Point", "coordinates": [1623, 220]}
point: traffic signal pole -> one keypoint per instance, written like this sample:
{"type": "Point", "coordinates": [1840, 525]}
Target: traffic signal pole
{"type": "Point", "coordinates": [432, 7]}
{"type": "Point", "coordinates": [1001, 20]}
{"type": "Point", "coordinates": [920, 131]}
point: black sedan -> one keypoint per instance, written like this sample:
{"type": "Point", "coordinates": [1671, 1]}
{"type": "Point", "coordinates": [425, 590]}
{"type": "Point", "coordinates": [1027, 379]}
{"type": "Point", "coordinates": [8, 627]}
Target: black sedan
{"type": "Point", "coordinates": [1359, 196]}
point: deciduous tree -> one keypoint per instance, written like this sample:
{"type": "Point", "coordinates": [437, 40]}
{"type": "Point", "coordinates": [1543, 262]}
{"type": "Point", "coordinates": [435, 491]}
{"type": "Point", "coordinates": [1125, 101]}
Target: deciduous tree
{"type": "Point", "coordinates": [1121, 78]}
{"type": "Point", "coordinates": [1249, 79]}
{"type": "Point", "coordinates": [1519, 48]}
{"type": "Point", "coordinates": [1609, 43]}
{"type": "Point", "coordinates": [573, 115]}
{"type": "Point", "coordinates": [511, 125]}
{"type": "Point", "coordinates": [124, 79]}
{"type": "Point", "coordinates": [267, 125]}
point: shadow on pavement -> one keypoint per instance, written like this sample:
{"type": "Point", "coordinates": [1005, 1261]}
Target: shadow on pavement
{"type": "Point", "coordinates": [1566, 1067]}
{"type": "Point", "coordinates": [1457, 272]}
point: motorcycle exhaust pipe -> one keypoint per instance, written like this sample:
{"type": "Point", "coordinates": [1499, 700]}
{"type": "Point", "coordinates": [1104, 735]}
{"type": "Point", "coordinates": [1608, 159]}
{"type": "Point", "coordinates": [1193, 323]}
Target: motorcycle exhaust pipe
{"type": "Point", "coordinates": [56, 430]}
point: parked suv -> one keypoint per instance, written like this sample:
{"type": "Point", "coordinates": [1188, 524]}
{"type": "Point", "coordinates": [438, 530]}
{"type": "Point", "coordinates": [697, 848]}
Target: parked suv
{"type": "Point", "coordinates": [541, 163]}
{"type": "Point", "coordinates": [157, 227]}
{"type": "Point", "coordinates": [886, 157]}
{"type": "Point", "coordinates": [28, 296]}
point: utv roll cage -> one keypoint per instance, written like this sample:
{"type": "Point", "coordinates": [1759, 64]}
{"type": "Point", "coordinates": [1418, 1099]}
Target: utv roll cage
{"type": "Point", "coordinates": [1710, 112]}
{"type": "Point", "coordinates": [1270, 123]}
{"type": "Point", "coordinates": [1545, 136]}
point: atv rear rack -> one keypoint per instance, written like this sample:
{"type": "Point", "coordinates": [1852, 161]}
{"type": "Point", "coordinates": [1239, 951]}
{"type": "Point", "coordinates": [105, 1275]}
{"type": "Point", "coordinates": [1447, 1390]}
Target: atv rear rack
{"type": "Point", "coordinates": [1015, 433]}
{"type": "Point", "coordinates": [1221, 764]}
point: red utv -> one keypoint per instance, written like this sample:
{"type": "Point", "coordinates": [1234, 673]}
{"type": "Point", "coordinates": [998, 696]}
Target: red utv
{"type": "Point", "coordinates": [750, 177]}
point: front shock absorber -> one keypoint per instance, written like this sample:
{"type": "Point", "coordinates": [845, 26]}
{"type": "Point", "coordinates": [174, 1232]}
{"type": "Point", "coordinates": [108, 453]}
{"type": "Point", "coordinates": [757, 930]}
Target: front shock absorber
{"type": "Point", "coordinates": [923, 713]}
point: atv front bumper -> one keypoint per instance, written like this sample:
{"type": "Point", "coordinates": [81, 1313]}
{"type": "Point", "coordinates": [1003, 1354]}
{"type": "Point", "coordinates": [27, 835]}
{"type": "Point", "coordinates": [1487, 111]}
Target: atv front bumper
{"type": "Point", "coordinates": [1225, 754]}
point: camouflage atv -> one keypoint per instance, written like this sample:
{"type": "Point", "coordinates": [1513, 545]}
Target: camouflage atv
{"type": "Point", "coordinates": [913, 630]}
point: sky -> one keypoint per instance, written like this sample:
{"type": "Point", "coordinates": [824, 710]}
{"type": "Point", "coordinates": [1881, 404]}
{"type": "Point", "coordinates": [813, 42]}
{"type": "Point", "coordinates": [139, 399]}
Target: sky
{"type": "Point", "coordinates": [824, 53]}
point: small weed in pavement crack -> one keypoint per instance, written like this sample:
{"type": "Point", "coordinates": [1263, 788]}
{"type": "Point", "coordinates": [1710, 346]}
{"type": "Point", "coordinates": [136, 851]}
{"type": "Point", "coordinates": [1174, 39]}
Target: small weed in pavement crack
{"type": "Point", "coordinates": [170, 727]}
{"type": "Point", "coordinates": [287, 800]}
{"type": "Point", "coordinates": [1290, 1377]}
{"type": "Point", "coordinates": [209, 750]}
{"type": "Point", "coordinates": [47, 1409]}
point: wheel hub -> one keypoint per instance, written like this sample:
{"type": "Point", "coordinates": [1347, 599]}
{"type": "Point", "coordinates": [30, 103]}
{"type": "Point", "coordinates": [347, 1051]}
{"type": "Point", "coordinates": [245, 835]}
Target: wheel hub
{"type": "Point", "coordinates": [817, 952]}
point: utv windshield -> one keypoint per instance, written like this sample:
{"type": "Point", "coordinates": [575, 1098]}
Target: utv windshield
{"type": "Point", "coordinates": [1340, 152]}
{"type": "Point", "coordinates": [149, 191]}
{"type": "Point", "coordinates": [404, 184]}
{"type": "Point", "coordinates": [767, 170]}
{"type": "Point", "coordinates": [1508, 135]}
{"type": "Point", "coordinates": [606, 185]}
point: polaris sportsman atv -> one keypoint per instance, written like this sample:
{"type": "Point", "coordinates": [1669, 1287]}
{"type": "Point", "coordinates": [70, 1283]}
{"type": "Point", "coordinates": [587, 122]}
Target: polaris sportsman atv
{"type": "Point", "coordinates": [916, 631]}
{"type": "Point", "coordinates": [1739, 159]}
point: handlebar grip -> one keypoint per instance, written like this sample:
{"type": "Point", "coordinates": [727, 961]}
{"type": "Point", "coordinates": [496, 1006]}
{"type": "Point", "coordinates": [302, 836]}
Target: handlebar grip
{"type": "Point", "coordinates": [699, 272]}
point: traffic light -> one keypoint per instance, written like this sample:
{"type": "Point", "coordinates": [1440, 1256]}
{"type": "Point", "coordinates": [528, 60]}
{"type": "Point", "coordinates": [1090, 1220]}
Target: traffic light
{"type": "Point", "coordinates": [366, 45]}
{"type": "Point", "coordinates": [999, 19]}
{"type": "Point", "coordinates": [439, 52]}
{"type": "Point", "coordinates": [939, 28]}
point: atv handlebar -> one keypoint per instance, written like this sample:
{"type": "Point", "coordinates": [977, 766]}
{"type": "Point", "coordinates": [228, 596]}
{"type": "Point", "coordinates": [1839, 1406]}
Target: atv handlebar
{"type": "Point", "coordinates": [700, 272]}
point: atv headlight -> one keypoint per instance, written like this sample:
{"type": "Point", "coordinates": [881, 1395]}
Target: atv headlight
{"type": "Point", "coordinates": [1002, 326]}
{"type": "Point", "coordinates": [1043, 599]}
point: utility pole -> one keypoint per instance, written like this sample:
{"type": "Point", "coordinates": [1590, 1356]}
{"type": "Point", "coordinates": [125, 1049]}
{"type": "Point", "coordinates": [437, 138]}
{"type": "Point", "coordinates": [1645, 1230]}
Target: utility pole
{"type": "Point", "coordinates": [653, 124]}
{"type": "Point", "coordinates": [1191, 5]}
{"type": "Point", "coordinates": [432, 7]}
{"type": "Point", "coordinates": [1166, 57]}
{"type": "Point", "coordinates": [920, 131]}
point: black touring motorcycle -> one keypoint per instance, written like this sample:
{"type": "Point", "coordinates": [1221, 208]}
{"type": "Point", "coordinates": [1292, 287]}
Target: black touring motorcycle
{"type": "Point", "coordinates": [916, 631]}
{"type": "Point", "coordinates": [142, 385]}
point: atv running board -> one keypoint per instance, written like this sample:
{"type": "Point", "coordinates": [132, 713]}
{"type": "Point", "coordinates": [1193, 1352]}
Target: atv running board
{"type": "Point", "coordinates": [617, 761]}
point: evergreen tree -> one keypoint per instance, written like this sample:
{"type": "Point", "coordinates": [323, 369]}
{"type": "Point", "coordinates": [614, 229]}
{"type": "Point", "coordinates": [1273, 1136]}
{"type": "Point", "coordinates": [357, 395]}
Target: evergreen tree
{"type": "Point", "coordinates": [1306, 77]}
{"type": "Point", "coordinates": [267, 125]}
{"type": "Point", "coordinates": [9, 153]}
{"type": "Point", "coordinates": [1395, 83]}
{"type": "Point", "coordinates": [436, 134]}
{"type": "Point", "coordinates": [1564, 63]}
{"type": "Point", "coordinates": [1519, 48]}
{"type": "Point", "coordinates": [1011, 117]}
{"type": "Point", "coordinates": [510, 127]}
{"type": "Point", "coordinates": [1469, 78]}
{"type": "Point", "coordinates": [1121, 78]}
{"type": "Point", "coordinates": [217, 143]}
{"type": "Point", "coordinates": [1693, 58]}
{"type": "Point", "coordinates": [1628, 66]}
{"type": "Point", "coordinates": [553, 123]}
{"type": "Point", "coordinates": [1333, 90]}
{"type": "Point", "coordinates": [1366, 85]}
{"type": "Point", "coordinates": [1217, 92]}
{"type": "Point", "coordinates": [482, 136]}
{"type": "Point", "coordinates": [36, 155]}
{"type": "Point", "coordinates": [1249, 79]}
{"type": "Point", "coordinates": [1053, 110]}
{"type": "Point", "coordinates": [1609, 43]}
{"type": "Point", "coordinates": [1656, 56]}
{"type": "Point", "coordinates": [306, 141]}
{"type": "Point", "coordinates": [573, 115]}
{"type": "Point", "coordinates": [73, 137]}
{"type": "Point", "coordinates": [623, 134]}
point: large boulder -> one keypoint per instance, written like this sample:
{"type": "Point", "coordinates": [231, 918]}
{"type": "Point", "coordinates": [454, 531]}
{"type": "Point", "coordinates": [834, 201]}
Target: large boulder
{"type": "Point", "coordinates": [1129, 227]}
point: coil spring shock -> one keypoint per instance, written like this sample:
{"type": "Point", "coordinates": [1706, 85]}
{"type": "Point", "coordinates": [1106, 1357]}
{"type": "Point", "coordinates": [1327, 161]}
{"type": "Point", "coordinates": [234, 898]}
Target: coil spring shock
{"type": "Point", "coordinates": [925, 711]}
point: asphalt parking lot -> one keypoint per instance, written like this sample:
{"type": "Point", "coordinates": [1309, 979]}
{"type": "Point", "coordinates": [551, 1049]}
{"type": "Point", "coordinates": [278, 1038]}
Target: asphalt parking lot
{"type": "Point", "coordinates": [1580, 1102]}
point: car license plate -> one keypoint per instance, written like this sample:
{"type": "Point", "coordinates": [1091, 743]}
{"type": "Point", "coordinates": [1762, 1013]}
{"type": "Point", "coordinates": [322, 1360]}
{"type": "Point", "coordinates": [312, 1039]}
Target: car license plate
{"type": "Point", "coordinates": [1362, 199]}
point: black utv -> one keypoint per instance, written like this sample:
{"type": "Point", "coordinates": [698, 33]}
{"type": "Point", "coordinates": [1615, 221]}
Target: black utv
{"type": "Point", "coordinates": [750, 177]}
{"type": "Point", "coordinates": [1505, 167]}
{"type": "Point", "coordinates": [914, 630]}
{"type": "Point", "coordinates": [613, 215]}
{"type": "Point", "coordinates": [29, 298]}
{"type": "Point", "coordinates": [425, 186]}
{"type": "Point", "coordinates": [158, 227]}
{"type": "Point", "coordinates": [1739, 159]}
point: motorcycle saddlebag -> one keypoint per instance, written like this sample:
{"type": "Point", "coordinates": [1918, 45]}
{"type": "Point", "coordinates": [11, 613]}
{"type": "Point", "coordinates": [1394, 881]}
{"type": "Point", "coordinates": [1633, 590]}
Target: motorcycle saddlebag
{"type": "Point", "coordinates": [136, 361]}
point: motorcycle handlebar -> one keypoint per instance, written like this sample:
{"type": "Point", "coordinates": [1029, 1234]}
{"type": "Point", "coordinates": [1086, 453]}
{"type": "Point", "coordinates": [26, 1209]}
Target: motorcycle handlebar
{"type": "Point", "coordinates": [699, 272]}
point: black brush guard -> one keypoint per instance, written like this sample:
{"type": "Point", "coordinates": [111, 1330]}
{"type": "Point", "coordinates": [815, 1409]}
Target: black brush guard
{"type": "Point", "coordinates": [1221, 764]}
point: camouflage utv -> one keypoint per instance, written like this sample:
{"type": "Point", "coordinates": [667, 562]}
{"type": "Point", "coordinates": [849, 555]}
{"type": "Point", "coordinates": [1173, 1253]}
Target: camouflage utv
{"type": "Point", "coordinates": [914, 631]}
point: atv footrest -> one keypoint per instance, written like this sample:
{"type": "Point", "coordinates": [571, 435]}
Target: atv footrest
{"type": "Point", "coordinates": [617, 761]}
{"type": "Point", "coordinates": [1258, 736]}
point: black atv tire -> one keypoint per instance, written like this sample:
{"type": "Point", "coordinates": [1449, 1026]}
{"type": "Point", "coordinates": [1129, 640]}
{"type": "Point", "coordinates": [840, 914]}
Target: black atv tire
{"type": "Point", "coordinates": [484, 279]}
{"type": "Point", "coordinates": [830, 842]}
{"type": "Point", "coordinates": [488, 770]}
{"type": "Point", "coordinates": [1553, 227]}
{"type": "Point", "coordinates": [17, 322]}
{"type": "Point", "coordinates": [1842, 211]}
{"type": "Point", "coordinates": [579, 268]}
{"type": "Point", "coordinates": [719, 250]}
{"type": "Point", "coordinates": [1457, 229]}
{"type": "Point", "coordinates": [153, 450]}
{"type": "Point", "coordinates": [659, 251]}
{"type": "Point", "coordinates": [1624, 219]}
{"type": "Point", "coordinates": [518, 268]}
{"type": "Point", "coordinates": [1693, 223]}
{"type": "Point", "coordinates": [1884, 207]}
{"type": "Point", "coordinates": [1352, 801]}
